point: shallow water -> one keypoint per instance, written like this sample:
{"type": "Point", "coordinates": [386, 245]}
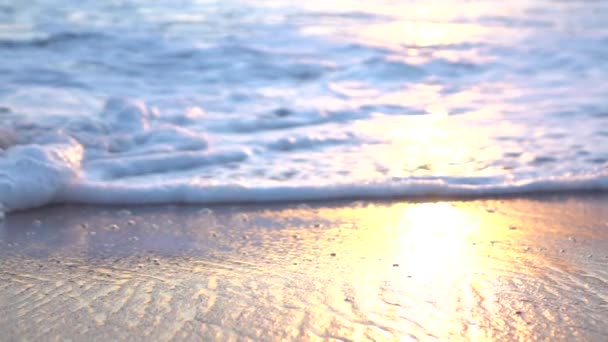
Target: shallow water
{"type": "Point", "coordinates": [226, 101]}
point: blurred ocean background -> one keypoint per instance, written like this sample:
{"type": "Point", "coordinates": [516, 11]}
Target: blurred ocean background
{"type": "Point", "coordinates": [139, 101]}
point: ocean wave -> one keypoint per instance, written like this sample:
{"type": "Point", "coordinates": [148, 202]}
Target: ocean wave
{"type": "Point", "coordinates": [37, 178]}
{"type": "Point", "coordinates": [249, 102]}
{"type": "Point", "coordinates": [132, 153]}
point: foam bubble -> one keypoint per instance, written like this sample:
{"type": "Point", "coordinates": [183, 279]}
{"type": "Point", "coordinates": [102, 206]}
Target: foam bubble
{"type": "Point", "coordinates": [31, 175]}
{"type": "Point", "coordinates": [126, 115]}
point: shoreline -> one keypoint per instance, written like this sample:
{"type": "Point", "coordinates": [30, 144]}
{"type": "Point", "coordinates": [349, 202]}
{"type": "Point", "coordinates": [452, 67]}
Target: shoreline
{"type": "Point", "coordinates": [100, 195]}
{"type": "Point", "coordinates": [514, 268]}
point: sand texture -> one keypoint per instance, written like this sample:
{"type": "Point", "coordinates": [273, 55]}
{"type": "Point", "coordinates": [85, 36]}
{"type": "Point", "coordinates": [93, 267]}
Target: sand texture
{"type": "Point", "coordinates": [528, 269]}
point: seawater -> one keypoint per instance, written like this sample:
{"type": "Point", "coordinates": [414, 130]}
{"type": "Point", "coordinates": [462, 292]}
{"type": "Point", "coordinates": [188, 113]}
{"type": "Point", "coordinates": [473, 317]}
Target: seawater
{"type": "Point", "coordinates": [134, 102]}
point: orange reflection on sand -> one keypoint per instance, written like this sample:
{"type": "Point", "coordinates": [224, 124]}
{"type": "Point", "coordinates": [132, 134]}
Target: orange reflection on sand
{"type": "Point", "coordinates": [482, 270]}
{"type": "Point", "coordinates": [436, 239]}
{"type": "Point", "coordinates": [424, 238]}
{"type": "Point", "coordinates": [429, 260]}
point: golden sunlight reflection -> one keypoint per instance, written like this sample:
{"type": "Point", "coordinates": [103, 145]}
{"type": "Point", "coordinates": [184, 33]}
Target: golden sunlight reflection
{"type": "Point", "coordinates": [420, 34]}
{"type": "Point", "coordinates": [436, 238]}
{"type": "Point", "coordinates": [427, 240]}
{"type": "Point", "coordinates": [432, 239]}
{"type": "Point", "coordinates": [475, 270]}
{"type": "Point", "coordinates": [432, 145]}
{"type": "Point", "coordinates": [412, 24]}
{"type": "Point", "coordinates": [431, 260]}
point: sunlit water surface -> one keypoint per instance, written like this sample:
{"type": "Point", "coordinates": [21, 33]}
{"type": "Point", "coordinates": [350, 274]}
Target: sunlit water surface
{"type": "Point", "coordinates": [223, 101]}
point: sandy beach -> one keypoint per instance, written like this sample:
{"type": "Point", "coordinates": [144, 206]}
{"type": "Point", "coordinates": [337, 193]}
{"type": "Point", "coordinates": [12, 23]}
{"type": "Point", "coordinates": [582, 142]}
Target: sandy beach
{"type": "Point", "coordinates": [352, 170]}
{"type": "Point", "coordinates": [527, 269]}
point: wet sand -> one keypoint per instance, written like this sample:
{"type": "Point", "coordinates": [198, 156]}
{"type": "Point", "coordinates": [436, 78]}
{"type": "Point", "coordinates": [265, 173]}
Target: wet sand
{"type": "Point", "coordinates": [490, 269]}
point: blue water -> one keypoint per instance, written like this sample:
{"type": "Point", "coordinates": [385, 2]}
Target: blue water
{"type": "Point", "coordinates": [229, 101]}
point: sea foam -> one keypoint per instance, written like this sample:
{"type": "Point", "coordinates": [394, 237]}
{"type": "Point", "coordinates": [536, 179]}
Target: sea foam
{"type": "Point", "coordinates": [159, 162]}
{"type": "Point", "coordinates": [299, 102]}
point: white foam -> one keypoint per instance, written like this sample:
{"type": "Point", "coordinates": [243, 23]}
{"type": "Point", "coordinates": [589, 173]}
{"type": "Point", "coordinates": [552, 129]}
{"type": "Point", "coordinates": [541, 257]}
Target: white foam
{"type": "Point", "coordinates": [310, 141]}
{"type": "Point", "coordinates": [109, 159]}
{"type": "Point", "coordinates": [31, 175]}
{"type": "Point", "coordinates": [126, 115]}
{"type": "Point", "coordinates": [112, 168]}
{"type": "Point", "coordinates": [196, 193]}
